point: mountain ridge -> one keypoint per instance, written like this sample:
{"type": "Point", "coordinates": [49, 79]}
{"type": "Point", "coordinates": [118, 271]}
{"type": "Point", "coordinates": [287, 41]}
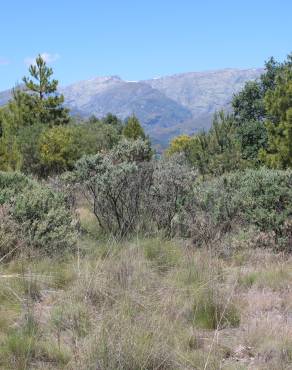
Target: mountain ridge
{"type": "Point", "coordinates": [167, 106]}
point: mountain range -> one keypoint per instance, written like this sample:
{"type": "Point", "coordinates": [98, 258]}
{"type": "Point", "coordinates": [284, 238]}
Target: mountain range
{"type": "Point", "coordinates": [166, 106]}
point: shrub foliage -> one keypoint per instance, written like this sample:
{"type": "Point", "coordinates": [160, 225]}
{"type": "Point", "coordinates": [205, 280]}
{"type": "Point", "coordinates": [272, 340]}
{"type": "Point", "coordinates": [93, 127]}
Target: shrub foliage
{"type": "Point", "coordinates": [40, 213]}
{"type": "Point", "coordinates": [260, 198]}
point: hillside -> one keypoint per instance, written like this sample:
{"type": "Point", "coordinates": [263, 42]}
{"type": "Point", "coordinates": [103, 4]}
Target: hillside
{"type": "Point", "coordinates": [114, 258]}
{"type": "Point", "coordinates": [4, 97]}
{"type": "Point", "coordinates": [204, 92]}
{"type": "Point", "coordinates": [102, 95]}
{"type": "Point", "coordinates": [166, 106]}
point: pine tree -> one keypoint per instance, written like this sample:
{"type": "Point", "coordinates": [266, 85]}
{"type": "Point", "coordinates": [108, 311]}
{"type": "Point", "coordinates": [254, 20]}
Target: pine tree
{"type": "Point", "coordinates": [133, 129]}
{"type": "Point", "coordinates": [13, 117]}
{"type": "Point", "coordinates": [279, 105]}
{"type": "Point", "coordinates": [47, 104]}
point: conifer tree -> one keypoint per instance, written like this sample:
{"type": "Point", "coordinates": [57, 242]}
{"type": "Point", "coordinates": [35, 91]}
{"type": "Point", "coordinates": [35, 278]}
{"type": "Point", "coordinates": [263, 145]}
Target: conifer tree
{"type": "Point", "coordinates": [47, 104]}
{"type": "Point", "coordinates": [133, 129]}
{"type": "Point", "coordinates": [279, 106]}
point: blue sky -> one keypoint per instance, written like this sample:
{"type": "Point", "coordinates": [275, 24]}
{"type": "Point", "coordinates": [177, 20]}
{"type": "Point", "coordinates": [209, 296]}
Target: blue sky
{"type": "Point", "coordinates": [140, 39]}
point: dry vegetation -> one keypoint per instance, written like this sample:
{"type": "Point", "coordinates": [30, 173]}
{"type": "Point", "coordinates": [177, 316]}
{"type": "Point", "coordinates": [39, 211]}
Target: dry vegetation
{"type": "Point", "coordinates": [146, 304]}
{"type": "Point", "coordinates": [131, 262]}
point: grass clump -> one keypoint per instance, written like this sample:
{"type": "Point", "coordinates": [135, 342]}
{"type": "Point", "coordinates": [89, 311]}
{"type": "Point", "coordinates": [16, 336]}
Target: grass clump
{"type": "Point", "coordinates": [123, 344]}
{"type": "Point", "coordinates": [248, 280]}
{"type": "Point", "coordinates": [213, 311]}
{"type": "Point", "coordinates": [18, 351]}
{"type": "Point", "coordinates": [162, 254]}
{"type": "Point", "coordinates": [18, 348]}
{"type": "Point", "coordinates": [271, 343]}
{"type": "Point", "coordinates": [50, 352]}
{"type": "Point", "coordinates": [71, 316]}
{"type": "Point", "coordinates": [275, 278]}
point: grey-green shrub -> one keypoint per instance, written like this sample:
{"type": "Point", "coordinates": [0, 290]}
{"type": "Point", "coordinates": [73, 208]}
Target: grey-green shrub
{"type": "Point", "coordinates": [45, 218]}
{"type": "Point", "coordinates": [10, 234]}
{"type": "Point", "coordinates": [260, 198]}
{"type": "Point", "coordinates": [172, 181]}
{"type": "Point", "coordinates": [11, 184]}
{"type": "Point", "coordinates": [132, 151]}
{"type": "Point", "coordinates": [127, 190]}
{"type": "Point", "coordinates": [41, 213]}
{"type": "Point", "coordinates": [116, 190]}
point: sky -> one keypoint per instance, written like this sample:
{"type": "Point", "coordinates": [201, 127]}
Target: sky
{"type": "Point", "coordinates": [140, 39]}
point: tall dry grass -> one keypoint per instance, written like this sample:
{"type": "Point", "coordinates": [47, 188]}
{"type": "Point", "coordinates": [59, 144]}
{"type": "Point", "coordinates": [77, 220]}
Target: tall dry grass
{"type": "Point", "coordinates": [146, 304]}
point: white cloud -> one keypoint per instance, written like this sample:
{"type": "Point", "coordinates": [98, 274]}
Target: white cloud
{"type": "Point", "coordinates": [4, 61]}
{"type": "Point", "coordinates": [49, 58]}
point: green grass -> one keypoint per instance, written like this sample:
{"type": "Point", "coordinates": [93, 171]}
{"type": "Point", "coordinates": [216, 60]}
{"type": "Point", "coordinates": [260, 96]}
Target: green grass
{"type": "Point", "coordinates": [162, 254]}
{"type": "Point", "coordinates": [18, 350]}
{"type": "Point", "coordinates": [49, 352]}
{"type": "Point", "coordinates": [248, 280]}
{"type": "Point", "coordinates": [212, 311]}
{"type": "Point", "coordinates": [274, 278]}
{"type": "Point", "coordinates": [71, 316]}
